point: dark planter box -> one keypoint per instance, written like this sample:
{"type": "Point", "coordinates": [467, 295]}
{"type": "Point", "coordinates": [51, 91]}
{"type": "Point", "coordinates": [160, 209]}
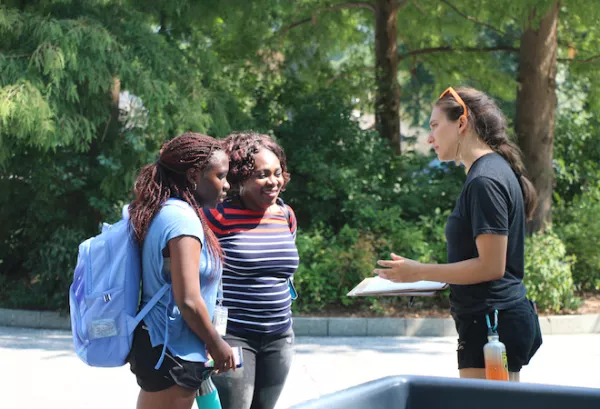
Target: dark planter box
{"type": "Point", "coordinates": [420, 392]}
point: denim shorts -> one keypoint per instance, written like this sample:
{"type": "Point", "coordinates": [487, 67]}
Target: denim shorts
{"type": "Point", "coordinates": [518, 328]}
{"type": "Point", "coordinates": [173, 371]}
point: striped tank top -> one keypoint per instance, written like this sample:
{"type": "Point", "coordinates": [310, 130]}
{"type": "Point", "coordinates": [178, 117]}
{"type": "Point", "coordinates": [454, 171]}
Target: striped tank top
{"type": "Point", "coordinates": [260, 257]}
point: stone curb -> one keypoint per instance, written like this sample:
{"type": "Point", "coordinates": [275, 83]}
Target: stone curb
{"type": "Point", "coordinates": [340, 327]}
{"type": "Point", "coordinates": [34, 319]}
{"type": "Point", "coordinates": [428, 327]}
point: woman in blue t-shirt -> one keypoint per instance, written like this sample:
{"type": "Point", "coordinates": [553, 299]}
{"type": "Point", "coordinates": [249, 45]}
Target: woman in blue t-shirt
{"type": "Point", "coordinates": [170, 346]}
{"type": "Point", "coordinates": [485, 233]}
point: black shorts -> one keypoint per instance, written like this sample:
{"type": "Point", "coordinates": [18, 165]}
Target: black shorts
{"type": "Point", "coordinates": [173, 371]}
{"type": "Point", "coordinates": [518, 328]}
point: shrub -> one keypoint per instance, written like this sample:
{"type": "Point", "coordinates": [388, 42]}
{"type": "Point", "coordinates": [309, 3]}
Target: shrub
{"type": "Point", "coordinates": [47, 286]}
{"type": "Point", "coordinates": [333, 263]}
{"type": "Point", "coordinates": [578, 224]}
{"type": "Point", "coordinates": [548, 275]}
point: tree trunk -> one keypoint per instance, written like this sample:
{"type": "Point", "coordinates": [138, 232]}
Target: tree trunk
{"type": "Point", "coordinates": [536, 108]}
{"type": "Point", "coordinates": [387, 101]}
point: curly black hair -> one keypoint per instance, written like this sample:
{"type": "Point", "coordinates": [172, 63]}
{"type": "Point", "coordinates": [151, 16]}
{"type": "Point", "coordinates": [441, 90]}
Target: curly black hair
{"type": "Point", "coordinates": [242, 148]}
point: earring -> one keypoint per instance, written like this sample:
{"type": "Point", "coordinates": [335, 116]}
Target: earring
{"type": "Point", "coordinates": [195, 186]}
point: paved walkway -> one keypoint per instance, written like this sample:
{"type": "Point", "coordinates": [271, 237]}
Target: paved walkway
{"type": "Point", "coordinates": [40, 369]}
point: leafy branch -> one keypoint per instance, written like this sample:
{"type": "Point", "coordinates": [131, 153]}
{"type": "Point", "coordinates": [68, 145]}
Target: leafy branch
{"type": "Point", "coordinates": [476, 21]}
{"type": "Point", "coordinates": [447, 49]}
{"type": "Point", "coordinates": [340, 6]}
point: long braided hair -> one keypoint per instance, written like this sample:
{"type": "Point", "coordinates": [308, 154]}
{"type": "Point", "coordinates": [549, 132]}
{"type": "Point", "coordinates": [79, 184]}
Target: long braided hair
{"type": "Point", "coordinates": [166, 178]}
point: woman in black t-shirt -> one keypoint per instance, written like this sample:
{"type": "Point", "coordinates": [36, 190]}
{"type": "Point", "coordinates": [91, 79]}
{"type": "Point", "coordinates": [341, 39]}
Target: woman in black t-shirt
{"type": "Point", "coordinates": [485, 233]}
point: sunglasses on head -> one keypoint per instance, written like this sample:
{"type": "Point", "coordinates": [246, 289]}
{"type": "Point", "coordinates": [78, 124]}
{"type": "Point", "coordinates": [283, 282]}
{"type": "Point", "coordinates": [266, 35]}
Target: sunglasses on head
{"type": "Point", "coordinates": [457, 98]}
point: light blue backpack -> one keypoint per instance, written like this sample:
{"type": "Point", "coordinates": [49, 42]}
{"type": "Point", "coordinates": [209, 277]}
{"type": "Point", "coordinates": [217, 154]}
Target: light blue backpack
{"type": "Point", "coordinates": [105, 295]}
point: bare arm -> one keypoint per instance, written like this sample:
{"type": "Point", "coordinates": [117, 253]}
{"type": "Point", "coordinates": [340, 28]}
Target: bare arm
{"type": "Point", "coordinates": [489, 266]}
{"type": "Point", "coordinates": [185, 262]}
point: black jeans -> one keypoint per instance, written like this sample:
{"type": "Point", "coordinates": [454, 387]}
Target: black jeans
{"type": "Point", "coordinates": [258, 384]}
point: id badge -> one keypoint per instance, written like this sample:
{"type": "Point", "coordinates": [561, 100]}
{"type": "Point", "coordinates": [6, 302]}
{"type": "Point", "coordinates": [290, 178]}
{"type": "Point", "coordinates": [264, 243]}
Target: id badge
{"type": "Point", "coordinates": [220, 320]}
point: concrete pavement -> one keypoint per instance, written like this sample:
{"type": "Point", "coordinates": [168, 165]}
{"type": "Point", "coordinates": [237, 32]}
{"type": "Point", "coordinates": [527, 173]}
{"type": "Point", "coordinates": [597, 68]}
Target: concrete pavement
{"type": "Point", "coordinates": [39, 367]}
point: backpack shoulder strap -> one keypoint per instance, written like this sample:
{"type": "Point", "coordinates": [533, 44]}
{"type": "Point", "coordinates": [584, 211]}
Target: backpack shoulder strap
{"type": "Point", "coordinates": [286, 211]}
{"type": "Point", "coordinates": [288, 217]}
{"type": "Point", "coordinates": [159, 294]}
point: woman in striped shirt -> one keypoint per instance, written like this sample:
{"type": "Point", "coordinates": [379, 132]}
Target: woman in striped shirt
{"type": "Point", "coordinates": [257, 232]}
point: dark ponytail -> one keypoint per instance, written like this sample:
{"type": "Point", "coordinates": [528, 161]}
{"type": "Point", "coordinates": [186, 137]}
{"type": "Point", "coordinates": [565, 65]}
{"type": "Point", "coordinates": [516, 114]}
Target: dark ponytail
{"type": "Point", "coordinates": [513, 156]}
{"type": "Point", "coordinates": [490, 124]}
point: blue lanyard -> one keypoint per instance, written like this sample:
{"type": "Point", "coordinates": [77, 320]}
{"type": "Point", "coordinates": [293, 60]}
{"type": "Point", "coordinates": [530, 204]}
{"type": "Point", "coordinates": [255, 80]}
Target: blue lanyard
{"type": "Point", "coordinates": [489, 325]}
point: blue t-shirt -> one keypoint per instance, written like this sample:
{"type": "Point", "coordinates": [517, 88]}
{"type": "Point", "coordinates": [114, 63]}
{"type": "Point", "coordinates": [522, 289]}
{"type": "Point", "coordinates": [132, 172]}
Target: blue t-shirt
{"type": "Point", "coordinates": [176, 218]}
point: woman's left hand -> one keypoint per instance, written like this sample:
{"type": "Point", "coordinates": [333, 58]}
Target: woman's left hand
{"type": "Point", "coordinates": [399, 269]}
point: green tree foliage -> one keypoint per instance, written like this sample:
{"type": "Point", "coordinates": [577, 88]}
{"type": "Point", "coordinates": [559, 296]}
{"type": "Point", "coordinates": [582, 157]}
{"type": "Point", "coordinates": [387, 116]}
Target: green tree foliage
{"type": "Point", "coordinates": [576, 198]}
{"type": "Point", "coordinates": [302, 71]}
{"type": "Point", "coordinates": [68, 156]}
{"type": "Point", "coordinates": [348, 175]}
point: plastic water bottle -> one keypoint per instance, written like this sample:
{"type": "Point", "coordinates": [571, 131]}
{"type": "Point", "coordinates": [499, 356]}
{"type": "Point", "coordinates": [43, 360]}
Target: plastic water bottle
{"type": "Point", "coordinates": [494, 353]}
{"type": "Point", "coordinates": [208, 396]}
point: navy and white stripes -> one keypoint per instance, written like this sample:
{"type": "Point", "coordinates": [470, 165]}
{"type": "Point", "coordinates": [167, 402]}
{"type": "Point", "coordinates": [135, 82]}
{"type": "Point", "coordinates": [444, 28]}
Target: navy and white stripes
{"type": "Point", "coordinates": [260, 257]}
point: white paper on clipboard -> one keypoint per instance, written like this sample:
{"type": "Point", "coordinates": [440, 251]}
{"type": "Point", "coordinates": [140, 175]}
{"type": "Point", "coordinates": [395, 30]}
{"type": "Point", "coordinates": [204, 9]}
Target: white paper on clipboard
{"type": "Point", "coordinates": [380, 286]}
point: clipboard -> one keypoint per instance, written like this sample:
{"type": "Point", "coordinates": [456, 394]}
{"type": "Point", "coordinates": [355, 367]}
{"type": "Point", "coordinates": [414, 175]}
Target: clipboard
{"type": "Point", "coordinates": [377, 286]}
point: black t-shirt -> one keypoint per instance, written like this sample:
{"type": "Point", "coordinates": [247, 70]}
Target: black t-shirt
{"type": "Point", "coordinates": [491, 202]}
